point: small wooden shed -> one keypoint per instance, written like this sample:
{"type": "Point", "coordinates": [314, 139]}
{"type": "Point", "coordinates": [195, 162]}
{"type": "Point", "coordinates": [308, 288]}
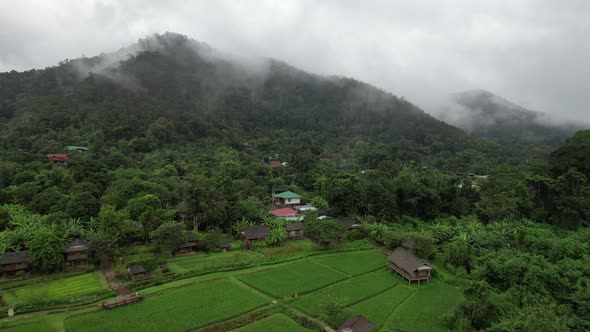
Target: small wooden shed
{"type": "Point", "coordinates": [295, 230]}
{"type": "Point", "coordinates": [76, 253]}
{"type": "Point", "coordinates": [189, 246]}
{"type": "Point", "coordinates": [253, 234]}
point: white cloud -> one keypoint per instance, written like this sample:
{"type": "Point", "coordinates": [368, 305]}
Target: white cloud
{"type": "Point", "coordinates": [532, 52]}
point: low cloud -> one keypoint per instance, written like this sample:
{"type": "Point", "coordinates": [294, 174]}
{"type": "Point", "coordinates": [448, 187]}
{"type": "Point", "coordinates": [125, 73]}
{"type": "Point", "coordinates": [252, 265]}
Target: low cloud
{"type": "Point", "coordinates": [533, 52]}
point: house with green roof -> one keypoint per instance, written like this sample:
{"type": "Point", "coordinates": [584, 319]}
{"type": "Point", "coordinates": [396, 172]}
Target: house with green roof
{"type": "Point", "coordinates": [287, 198]}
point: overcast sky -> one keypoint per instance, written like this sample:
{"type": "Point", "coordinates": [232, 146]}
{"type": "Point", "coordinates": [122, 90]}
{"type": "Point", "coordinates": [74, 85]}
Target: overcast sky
{"type": "Point", "coordinates": [535, 53]}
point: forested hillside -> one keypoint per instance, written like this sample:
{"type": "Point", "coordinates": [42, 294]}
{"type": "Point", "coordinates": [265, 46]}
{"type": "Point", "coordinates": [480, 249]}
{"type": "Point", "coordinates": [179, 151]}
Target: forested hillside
{"type": "Point", "coordinates": [170, 120]}
{"type": "Point", "coordinates": [489, 116]}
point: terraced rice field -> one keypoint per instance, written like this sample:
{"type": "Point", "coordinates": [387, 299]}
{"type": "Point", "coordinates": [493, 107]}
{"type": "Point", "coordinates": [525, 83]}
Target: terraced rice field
{"type": "Point", "coordinates": [199, 261]}
{"type": "Point", "coordinates": [354, 263]}
{"type": "Point", "coordinates": [423, 309]}
{"type": "Point", "coordinates": [176, 310]}
{"type": "Point", "coordinates": [378, 308]}
{"type": "Point", "coordinates": [62, 288]}
{"type": "Point", "coordinates": [34, 327]}
{"type": "Point", "coordinates": [274, 323]}
{"type": "Point", "coordinates": [294, 278]}
{"type": "Point", "coordinates": [357, 279]}
{"type": "Point", "coordinates": [349, 291]}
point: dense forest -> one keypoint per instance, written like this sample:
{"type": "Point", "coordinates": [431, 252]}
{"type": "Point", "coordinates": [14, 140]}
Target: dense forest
{"type": "Point", "coordinates": [172, 120]}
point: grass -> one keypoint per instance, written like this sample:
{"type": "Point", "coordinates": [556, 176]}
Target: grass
{"type": "Point", "coordinates": [274, 323]}
{"type": "Point", "coordinates": [33, 327]}
{"type": "Point", "coordinates": [423, 310]}
{"type": "Point", "coordinates": [354, 263]}
{"type": "Point", "coordinates": [62, 288]}
{"type": "Point", "coordinates": [298, 277]}
{"type": "Point", "coordinates": [203, 260]}
{"type": "Point", "coordinates": [179, 309]}
{"type": "Point", "coordinates": [378, 308]}
{"type": "Point", "coordinates": [348, 292]}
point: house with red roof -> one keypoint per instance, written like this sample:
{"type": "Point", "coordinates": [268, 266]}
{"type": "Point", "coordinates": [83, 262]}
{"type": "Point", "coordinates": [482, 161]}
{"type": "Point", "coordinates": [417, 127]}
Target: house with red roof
{"type": "Point", "coordinates": [59, 159]}
{"type": "Point", "coordinates": [286, 213]}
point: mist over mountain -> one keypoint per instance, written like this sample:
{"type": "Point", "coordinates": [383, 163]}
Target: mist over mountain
{"type": "Point", "coordinates": [487, 115]}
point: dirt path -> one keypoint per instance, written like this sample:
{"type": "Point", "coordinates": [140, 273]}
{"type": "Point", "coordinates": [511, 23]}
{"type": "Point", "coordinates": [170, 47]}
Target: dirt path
{"type": "Point", "coordinates": [107, 270]}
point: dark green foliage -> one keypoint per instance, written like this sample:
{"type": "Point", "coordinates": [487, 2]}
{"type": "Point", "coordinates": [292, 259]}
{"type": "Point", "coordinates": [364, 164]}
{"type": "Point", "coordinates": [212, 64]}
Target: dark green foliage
{"type": "Point", "coordinates": [325, 231]}
{"type": "Point", "coordinates": [168, 237]}
{"type": "Point", "coordinates": [46, 251]}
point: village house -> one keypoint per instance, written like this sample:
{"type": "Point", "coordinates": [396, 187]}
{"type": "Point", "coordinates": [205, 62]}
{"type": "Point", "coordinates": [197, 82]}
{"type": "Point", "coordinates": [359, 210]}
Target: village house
{"type": "Point", "coordinates": [253, 234]}
{"type": "Point", "coordinates": [295, 230]}
{"type": "Point", "coordinates": [224, 246]}
{"type": "Point", "coordinates": [409, 266]}
{"type": "Point", "coordinates": [356, 324]}
{"type": "Point", "coordinates": [305, 208]}
{"type": "Point", "coordinates": [59, 159]}
{"type": "Point", "coordinates": [287, 198]}
{"type": "Point", "coordinates": [76, 253]}
{"type": "Point", "coordinates": [138, 273]}
{"type": "Point", "coordinates": [75, 148]}
{"type": "Point", "coordinates": [287, 214]}
{"type": "Point", "coordinates": [349, 223]}
{"type": "Point", "coordinates": [12, 262]}
{"type": "Point", "coordinates": [277, 190]}
{"type": "Point", "coordinates": [189, 246]}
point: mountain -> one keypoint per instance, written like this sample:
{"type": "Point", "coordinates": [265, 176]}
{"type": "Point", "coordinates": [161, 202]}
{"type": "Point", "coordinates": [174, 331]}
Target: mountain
{"type": "Point", "coordinates": [171, 90]}
{"type": "Point", "coordinates": [489, 116]}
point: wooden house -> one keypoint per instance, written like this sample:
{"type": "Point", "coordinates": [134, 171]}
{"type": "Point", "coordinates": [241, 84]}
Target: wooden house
{"type": "Point", "coordinates": [272, 164]}
{"type": "Point", "coordinates": [357, 324]}
{"type": "Point", "coordinates": [138, 273]}
{"type": "Point", "coordinates": [76, 253]}
{"type": "Point", "coordinates": [12, 262]}
{"type": "Point", "coordinates": [349, 223]}
{"type": "Point", "coordinates": [295, 230]}
{"type": "Point", "coordinates": [224, 246]}
{"type": "Point", "coordinates": [403, 262]}
{"type": "Point", "coordinates": [189, 246]}
{"type": "Point", "coordinates": [59, 159]}
{"type": "Point", "coordinates": [287, 198]}
{"type": "Point", "coordinates": [253, 234]}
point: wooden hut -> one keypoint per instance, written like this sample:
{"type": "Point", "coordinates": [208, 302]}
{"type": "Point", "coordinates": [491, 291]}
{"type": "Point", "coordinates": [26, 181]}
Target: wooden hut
{"type": "Point", "coordinates": [409, 266]}
{"type": "Point", "coordinates": [138, 273]}
{"type": "Point", "coordinates": [253, 234]}
{"type": "Point", "coordinates": [12, 262]}
{"type": "Point", "coordinates": [295, 230]}
{"type": "Point", "coordinates": [224, 246]}
{"type": "Point", "coordinates": [76, 253]}
{"type": "Point", "coordinates": [189, 246]}
{"type": "Point", "coordinates": [356, 324]}
{"type": "Point", "coordinates": [349, 223]}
